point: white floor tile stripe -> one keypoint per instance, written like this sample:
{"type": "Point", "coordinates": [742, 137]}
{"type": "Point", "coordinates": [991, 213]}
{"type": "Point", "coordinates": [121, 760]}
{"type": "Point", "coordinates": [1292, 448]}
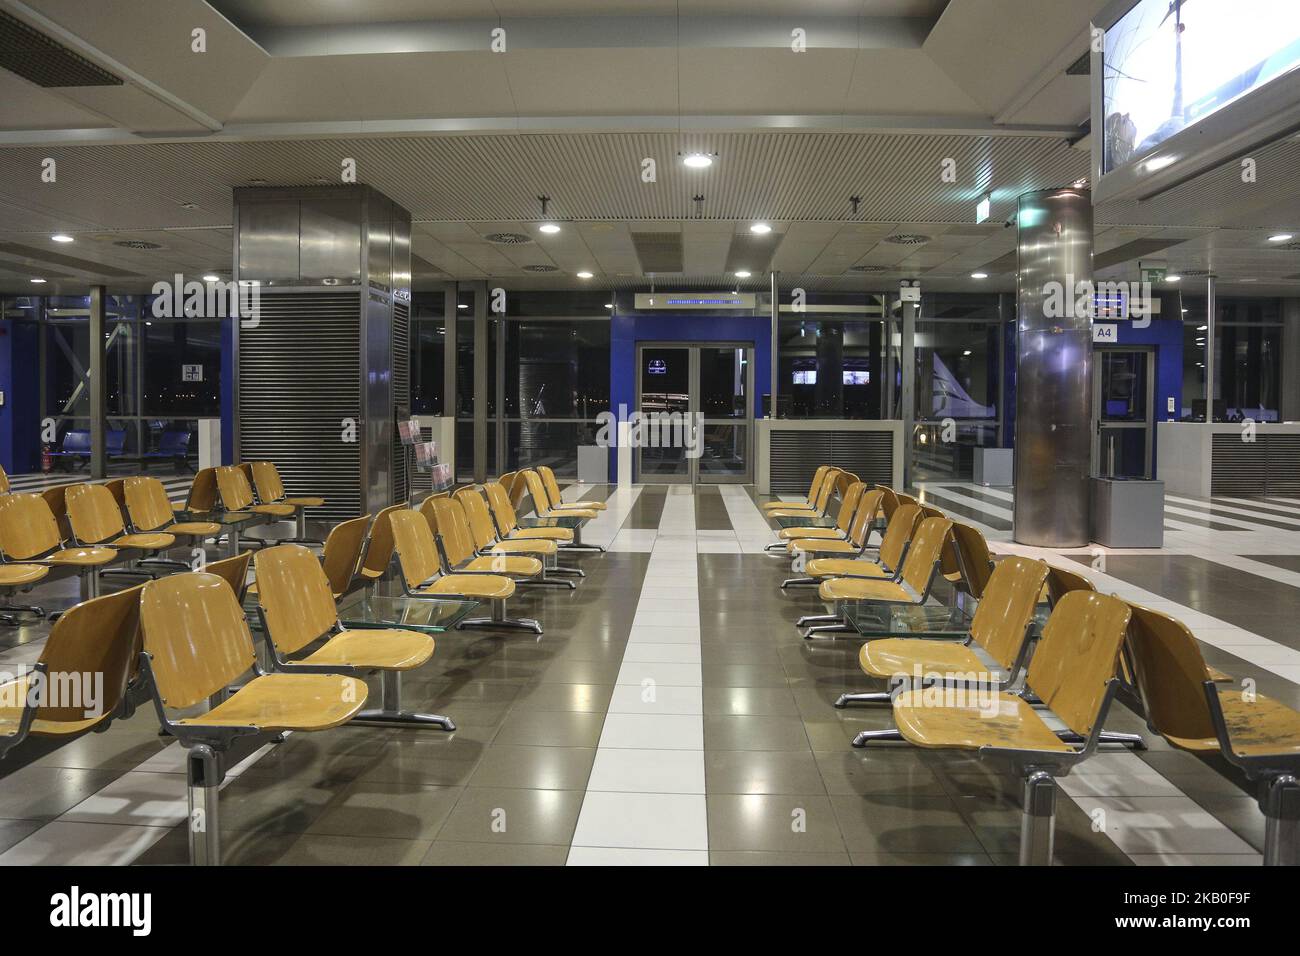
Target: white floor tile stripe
{"type": "Point", "coordinates": [644, 803]}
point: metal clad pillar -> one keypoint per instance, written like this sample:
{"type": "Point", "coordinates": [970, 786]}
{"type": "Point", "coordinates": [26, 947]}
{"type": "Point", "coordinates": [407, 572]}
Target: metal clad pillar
{"type": "Point", "coordinates": [774, 331]}
{"type": "Point", "coordinates": [907, 392]}
{"type": "Point", "coordinates": [98, 384]}
{"type": "Point", "coordinates": [1210, 371]}
{"type": "Point", "coordinates": [1054, 346]}
{"type": "Point", "coordinates": [480, 381]}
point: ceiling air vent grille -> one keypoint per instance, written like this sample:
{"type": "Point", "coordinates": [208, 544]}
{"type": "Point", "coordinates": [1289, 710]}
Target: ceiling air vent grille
{"type": "Point", "coordinates": [542, 269]}
{"type": "Point", "coordinates": [870, 270]}
{"type": "Point", "coordinates": [36, 57]}
{"type": "Point", "coordinates": [507, 238]}
{"type": "Point", "coordinates": [908, 239]}
{"type": "Point", "coordinates": [136, 244]}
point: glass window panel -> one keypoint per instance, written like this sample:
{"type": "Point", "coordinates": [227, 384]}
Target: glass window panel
{"type": "Point", "coordinates": [830, 369]}
{"type": "Point", "coordinates": [563, 369]}
{"type": "Point", "coordinates": [428, 348]}
{"type": "Point", "coordinates": [168, 348]}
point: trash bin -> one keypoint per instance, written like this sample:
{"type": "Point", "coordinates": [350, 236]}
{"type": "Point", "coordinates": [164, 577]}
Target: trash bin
{"type": "Point", "coordinates": [1128, 512]}
{"type": "Point", "coordinates": [993, 467]}
{"type": "Point", "coordinates": [593, 464]}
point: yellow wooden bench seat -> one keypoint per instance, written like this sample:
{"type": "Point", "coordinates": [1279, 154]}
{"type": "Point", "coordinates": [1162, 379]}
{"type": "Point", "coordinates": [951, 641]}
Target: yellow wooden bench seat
{"type": "Point", "coordinates": [273, 703]}
{"type": "Point", "coordinates": [973, 726]}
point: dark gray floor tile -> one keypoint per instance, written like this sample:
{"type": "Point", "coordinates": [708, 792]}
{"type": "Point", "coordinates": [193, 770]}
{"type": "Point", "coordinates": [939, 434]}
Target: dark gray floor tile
{"type": "Point", "coordinates": [775, 858]}
{"type": "Point", "coordinates": [537, 768]}
{"type": "Point", "coordinates": [389, 810]}
{"type": "Point", "coordinates": [42, 793]}
{"type": "Point", "coordinates": [500, 815]}
{"type": "Point", "coordinates": [551, 729]}
{"type": "Point", "coordinates": [760, 771]}
{"type": "Point", "coordinates": [903, 823]}
{"type": "Point", "coordinates": [754, 733]}
{"type": "Point", "coordinates": [448, 853]}
{"type": "Point", "coordinates": [786, 823]}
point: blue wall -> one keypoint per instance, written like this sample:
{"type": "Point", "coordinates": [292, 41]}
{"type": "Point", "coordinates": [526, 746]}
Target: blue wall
{"type": "Point", "coordinates": [627, 330]}
{"type": "Point", "coordinates": [20, 376]}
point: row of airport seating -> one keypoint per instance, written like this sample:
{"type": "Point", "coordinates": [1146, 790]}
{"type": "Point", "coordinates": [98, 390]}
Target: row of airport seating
{"type": "Point", "coordinates": [1028, 694]}
{"type": "Point", "coordinates": [185, 641]}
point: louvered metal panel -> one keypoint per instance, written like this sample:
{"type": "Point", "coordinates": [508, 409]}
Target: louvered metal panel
{"type": "Point", "coordinates": [1269, 465]}
{"type": "Point", "coordinates": [401, 490]}
{"type": "Point", "coordinates": [795, 455]}
{"type": "Point", "coordinates": [1283, 464]}
{"type": "Point", "coordinates": [299, 379]}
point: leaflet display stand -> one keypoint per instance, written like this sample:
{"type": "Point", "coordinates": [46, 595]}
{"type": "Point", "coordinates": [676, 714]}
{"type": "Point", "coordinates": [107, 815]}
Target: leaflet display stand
{"type": "Point", "coordinates": [425, 457]}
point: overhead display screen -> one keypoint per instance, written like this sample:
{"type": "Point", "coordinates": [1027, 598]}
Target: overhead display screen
{"type": "Point", "coordinates": [1170, 63]}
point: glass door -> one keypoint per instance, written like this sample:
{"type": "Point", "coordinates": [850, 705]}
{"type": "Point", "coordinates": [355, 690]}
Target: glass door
{"type": "Point", "coordinates": [696, 422]}
{"type": "Point", "coordinates": [664, 396]}
{"type": "Point", "coordinates": [1123, 381]}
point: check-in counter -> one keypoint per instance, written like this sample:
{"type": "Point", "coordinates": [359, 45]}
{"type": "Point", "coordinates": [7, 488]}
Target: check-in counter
{"type": "Point", "coordinates": [1228, 458]}
{"type": "Point", "coordinates": [788, 451]}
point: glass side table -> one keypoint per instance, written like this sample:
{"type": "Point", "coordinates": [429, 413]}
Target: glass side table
{"type": "Point", "coordinates": [365, 610]}
{"type": "Point", "coordinates": [907, 620]}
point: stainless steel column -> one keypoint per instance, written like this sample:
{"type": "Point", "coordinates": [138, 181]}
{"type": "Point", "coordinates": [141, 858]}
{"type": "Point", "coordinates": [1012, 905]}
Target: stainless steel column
{"type": "Point", "coordinates": [907, 393]}
{"type": "Point", "coordinates": [1054, 355]}
{"type": "Point", "coordinates": [1209, 348]}
{"type": "Point", "coordinates": [776, 341]}
{"type": "Point", "coordinates": [480, 381]}
{"type": "Point", "coordinates": [450, 397]}
{"type": "Point", "coordinates": [98, 384]}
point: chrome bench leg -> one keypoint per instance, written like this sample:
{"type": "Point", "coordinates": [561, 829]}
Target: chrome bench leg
{"type": "Point", "coordinates": [809, 619]}
{"type": "Point", "coordinates": [390, 713]}
{"type": "Point", "coordinates": [798, 582]}
{"type": "Point", "coordinates": [815, 633]}
{"type": "Point", "coordinates": [499, 621]}
{"type": "Point", "coordinates": [873, 697]}
{"type": "Point", "coordinates": [1281, 806]}
{"type": "Point", "coordinates": [1106, 737]}
{"type": "Point", "coordinates": [866, 736]}
{"type": "Point", "coordinates": [203, 771]}
{"type": "Point", "coordinates": [1038, 820]}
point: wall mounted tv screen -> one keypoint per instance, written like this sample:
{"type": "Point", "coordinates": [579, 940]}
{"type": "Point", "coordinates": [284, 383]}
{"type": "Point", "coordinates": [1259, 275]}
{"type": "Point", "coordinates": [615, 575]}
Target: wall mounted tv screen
{"type": "Point", "coordinates": [1168, 64]}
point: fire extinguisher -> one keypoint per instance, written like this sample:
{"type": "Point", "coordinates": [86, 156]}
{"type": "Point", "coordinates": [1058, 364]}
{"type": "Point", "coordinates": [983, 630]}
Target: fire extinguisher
{"type": "Point", "coordinates": [46, 461]}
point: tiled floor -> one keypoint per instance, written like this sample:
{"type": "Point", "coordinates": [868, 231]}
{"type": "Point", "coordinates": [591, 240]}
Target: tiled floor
{"type": "Point", "coordinates": [671, 714]}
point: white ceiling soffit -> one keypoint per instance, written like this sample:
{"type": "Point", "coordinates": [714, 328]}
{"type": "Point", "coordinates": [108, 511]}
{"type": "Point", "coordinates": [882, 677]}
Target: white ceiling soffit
{"type": "Point", "coordinates": [168, 87]}
{"type": "Point", "coordinates": [1007, 53]}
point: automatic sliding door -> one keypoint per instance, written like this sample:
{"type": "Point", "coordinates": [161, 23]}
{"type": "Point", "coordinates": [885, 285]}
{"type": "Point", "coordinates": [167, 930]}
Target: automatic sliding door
{"type": "Point", "coordinates": [724, 403]}
{"type": "Point", "coordinates": [664, 388]}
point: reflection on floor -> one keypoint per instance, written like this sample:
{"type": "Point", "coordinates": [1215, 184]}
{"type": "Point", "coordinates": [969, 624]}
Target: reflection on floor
{"type": "Point", "coordinates": [672, 714]}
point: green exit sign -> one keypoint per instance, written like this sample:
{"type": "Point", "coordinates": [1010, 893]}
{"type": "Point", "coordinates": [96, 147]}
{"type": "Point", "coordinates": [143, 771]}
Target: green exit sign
{"type": "Point", "coordinates": [1153, 273]}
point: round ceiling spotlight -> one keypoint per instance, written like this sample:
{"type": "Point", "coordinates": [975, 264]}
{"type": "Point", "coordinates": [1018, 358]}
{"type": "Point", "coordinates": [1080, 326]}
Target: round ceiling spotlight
{"type": "Point", "coordinates": [742, 273]}
{"type": "Point", "coordinates": [38, 281]}
{"type": "Point", "coordinates": [1281, 237]}
{"type": "Point", "coordinates": [584, 274]}
{"type": "Point", "coordinates": [979, 275]}
{"type": "Point", "coordinates": [211, 277]}
{"type": "Point", "coordinates": [760, 229]}
{"type": "Point", "coordinates": [550, 228]}
{"type": "Point", "coordinates": [508, 238]}
{"type": "Point", "coordinates": [61, 237]}
{"type": "Point", "coordinates": [1173, 278]}
{"type": "Point", "coordinates": [698, 160]}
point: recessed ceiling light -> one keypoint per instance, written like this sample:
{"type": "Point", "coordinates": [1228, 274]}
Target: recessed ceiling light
{"type": "Point", "coordinates": [698, 160]}
{"type": "Point", "coordinates": [1281, 237]}
{"type": "Point", "coordinates": [609, 305]}
{"type": "Point", "coordinates": [742, 273]}
{"type": "Point", "coordinates": [61, 237]}
{"type": "Point", "coordinates": [760, 229]}
{"type": "Point", "coordinates": [39, 281]}
{"type": "Point", "coordinates": [1174, 278]}
{"type": "Point", "coordinates": [584, 274]}
{"type": "Point", "coordinates": [979, 275]}
{"type": "Point", "coordinates": [966, 352]}
{"type": "Point", "coordinates": [211, 278]}
{"type": "Point", "coordinates": [549, 228]}
{"type": "Point", "coordinates": [1201, 328]}
{"type": "Point", "coordinates": [461, 305]}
